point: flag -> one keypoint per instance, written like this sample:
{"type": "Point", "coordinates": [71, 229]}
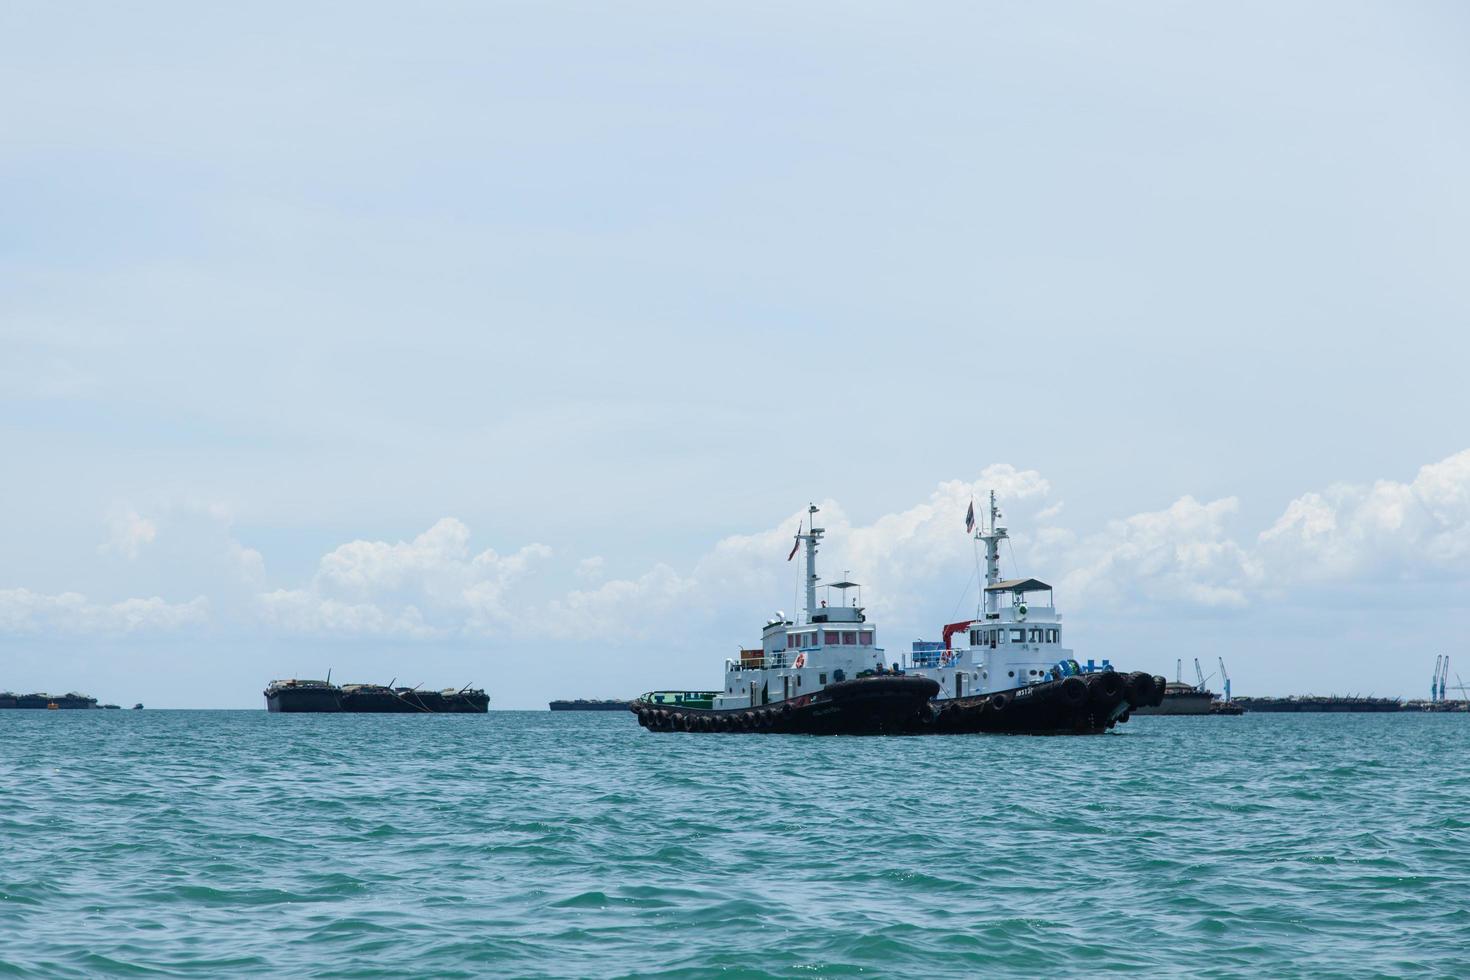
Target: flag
{"type": "Point", "coordinates": [797, 544]}
{"type": "Point", "coordinates": [970, 517]}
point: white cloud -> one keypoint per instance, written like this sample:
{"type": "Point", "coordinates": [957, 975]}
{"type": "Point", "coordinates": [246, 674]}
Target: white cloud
{"type": "Point", "coordinates": [623, 608]}
{"type": "Point", "coordinates": [1181, 554]}
{"type": "Point", "coordinates": [24, 611]}
{"type": "Point", "coordinates": [304, 611]}
{"type": "Point", "coordinates": [913, 563]}
{"type": "Point", "coordinates": [128, 533]}
{"type": "Point", "coordinates": [1413, 530]}
{"type": "Point", "coordinates": [431, 585]}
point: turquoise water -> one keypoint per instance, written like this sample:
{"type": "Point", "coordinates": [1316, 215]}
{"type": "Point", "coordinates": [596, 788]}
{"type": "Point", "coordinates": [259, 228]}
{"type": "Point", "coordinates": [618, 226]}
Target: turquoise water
{"type": "Point", "coordinates": [241, 843]}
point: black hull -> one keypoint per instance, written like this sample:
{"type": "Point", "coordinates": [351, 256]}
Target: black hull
{"type": "Point", "coordinates": [864, 706]}
{"type": "Point", "coordinates": [44, 701]}
{"type": "Point", "coordinates": [1079, 705]}
{"type": "Point", "coordinates": [1088, 704]}
{"type": "Point", "coordinates": [589, 705]}
{"type": "Point", "coordinates": [376, 702]}
{"type": "Point", "coordinates": [310, 700]}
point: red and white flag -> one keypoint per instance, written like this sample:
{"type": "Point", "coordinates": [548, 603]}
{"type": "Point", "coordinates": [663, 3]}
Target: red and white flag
{"type": "Point", "coordinates": [797, 544]}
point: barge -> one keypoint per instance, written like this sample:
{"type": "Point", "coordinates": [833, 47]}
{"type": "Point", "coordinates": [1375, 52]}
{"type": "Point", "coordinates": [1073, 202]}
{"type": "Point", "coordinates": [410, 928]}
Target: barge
{"type": "Point", "coordinates": [53, 702]}
{"type": "Point", "coordinates": [295, 696]}
{"type": "Point", "coordinates": [582, 704]}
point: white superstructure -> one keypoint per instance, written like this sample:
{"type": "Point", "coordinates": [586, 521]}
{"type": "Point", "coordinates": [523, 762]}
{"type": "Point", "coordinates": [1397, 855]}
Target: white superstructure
{"type": "Point", "coordinates": [1014, 640]}
{"type": "Point", "coordinates": [833, 641]}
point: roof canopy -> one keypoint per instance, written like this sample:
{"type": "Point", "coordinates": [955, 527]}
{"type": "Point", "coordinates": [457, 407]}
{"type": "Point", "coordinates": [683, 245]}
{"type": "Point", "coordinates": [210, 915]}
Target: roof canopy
{"type": "Point", "coordinates": [1019, 585]}
{"type": "Point", "coordinates": [842, 585]}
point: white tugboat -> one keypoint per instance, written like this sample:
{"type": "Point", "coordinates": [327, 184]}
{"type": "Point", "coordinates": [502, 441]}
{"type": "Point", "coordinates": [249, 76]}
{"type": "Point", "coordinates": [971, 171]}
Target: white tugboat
{"type": "Point", "coordinates": [822, 673]}
{"type": "Point", "coordinates": [1007, 669]}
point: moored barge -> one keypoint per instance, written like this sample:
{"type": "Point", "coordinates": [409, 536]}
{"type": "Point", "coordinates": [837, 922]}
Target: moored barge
{"type": "Point", "coordinates": [53, 702]}
{"type": "Point", "coordinates": [295, 696]}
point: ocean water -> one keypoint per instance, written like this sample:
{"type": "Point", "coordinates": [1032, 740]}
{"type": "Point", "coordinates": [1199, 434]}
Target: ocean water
{"type": "Point", "coordinates": [578, 845]}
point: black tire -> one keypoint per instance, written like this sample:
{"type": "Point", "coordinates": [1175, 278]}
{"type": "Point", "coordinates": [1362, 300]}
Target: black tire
{"type": "Point", "coordinates": [1159, 683]}
{"type": "Point", "coordinates": [1073, 692]}
{"type": "Point", "coordinates": [1107, 687]}
{"type": "Point", "coordinates": [1000, 702]}
{"type": "Point", "coordinates": [1140, 689]}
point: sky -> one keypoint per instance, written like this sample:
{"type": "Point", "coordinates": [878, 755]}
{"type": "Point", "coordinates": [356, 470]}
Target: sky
{"type": "Point", "coordinates": [506, 343]}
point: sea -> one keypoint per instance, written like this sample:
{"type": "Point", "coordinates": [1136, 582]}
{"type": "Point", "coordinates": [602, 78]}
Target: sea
{"type": "Point", "coordinates": [239, 843]}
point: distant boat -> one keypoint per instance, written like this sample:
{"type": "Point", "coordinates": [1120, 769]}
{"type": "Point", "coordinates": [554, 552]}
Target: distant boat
{"type": "Point", "coordinates": [48, 702]}
{"type": "Point", "coordinates": [323, 697]}
{"type": "Point", "coordinates": [138, 706]}
{"type": "Point", "coordinates": [582, 704]}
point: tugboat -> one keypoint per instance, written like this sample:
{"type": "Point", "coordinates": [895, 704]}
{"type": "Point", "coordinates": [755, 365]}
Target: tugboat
{"type": "Point", "coordinates": [1014, 676]}
{"type": "Point", "coordinates": [824, 675]}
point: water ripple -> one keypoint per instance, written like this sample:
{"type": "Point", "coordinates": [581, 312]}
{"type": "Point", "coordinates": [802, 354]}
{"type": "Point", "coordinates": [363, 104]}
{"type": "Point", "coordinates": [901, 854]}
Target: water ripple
{"type": "Point", "coordinates": [531, 844]}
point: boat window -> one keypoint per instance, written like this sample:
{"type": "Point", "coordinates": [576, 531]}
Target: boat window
{"type": "Point", "coordinates": [974, 638]}
{"type": "Point", "coordinates": [790, 640]}
{"type": "Point", "coordinates": [1018, 636]}
{"type": "Point", "coordinates": [849, 638]}
{"type": "Point", "coordinates": [866, 638]}
{"type": "Point", "coordinates": [822, 678]}
{"type": "Point", "coordinates": [829, 637]}
{"type": "Point", "coordinates": [1051, 636]}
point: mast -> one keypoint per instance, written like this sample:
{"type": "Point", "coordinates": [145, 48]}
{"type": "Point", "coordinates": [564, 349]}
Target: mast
{"type": "Point", "coordinates": [810, 539]}
{"type": "Point", "coordinates": [992, 539]}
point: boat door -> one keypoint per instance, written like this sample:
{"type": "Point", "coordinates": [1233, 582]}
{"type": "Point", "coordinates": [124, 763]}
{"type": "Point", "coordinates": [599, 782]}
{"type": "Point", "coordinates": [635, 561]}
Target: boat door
{"type": "Point", "coordinates": [785, 687]}
{"type": "Point", "coordinates": [959, 684]}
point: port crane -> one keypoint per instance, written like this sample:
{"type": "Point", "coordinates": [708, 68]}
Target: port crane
{"type": "Point", "coordinates": [1225, 678]}
{"type": "Point", "coordinates": [1434, 682]}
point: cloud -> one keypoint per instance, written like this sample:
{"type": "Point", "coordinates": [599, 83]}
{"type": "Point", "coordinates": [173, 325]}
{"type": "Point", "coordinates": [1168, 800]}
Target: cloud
{"type": "Point", "coordinates": [1414, 530]}
{"type": "Point", "coordinates": [1180, 554]}
{"type": "Point", "coordinates": [128, 533]}
{"type": "Point", "coordinates": [304, 611]}
{"type": "Point", "coordinates": [430, 586]}
{"type": "Point", "coordinates": [625, 609]}
{"type": "Point", "coordinates": [914, 564]}
{"type": "Point", "coordinates": [24, 611]}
